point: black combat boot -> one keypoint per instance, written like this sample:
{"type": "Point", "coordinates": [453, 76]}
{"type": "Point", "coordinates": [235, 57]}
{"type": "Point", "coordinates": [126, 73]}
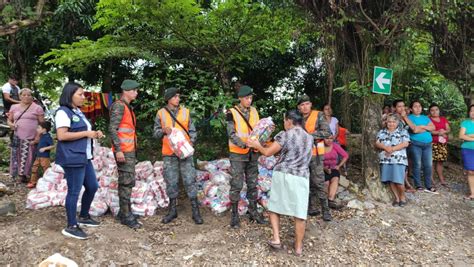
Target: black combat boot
{"type": "Point", "coordinates": [234, 220]}
{"type": "Point", "coordinates": [334, 205]}
{"type": "Point", "coordinates": [254, 214]}
{"type": "Point", "coordinates": [131, 221]}
{"type": "Point", "coordinates": [325, 209]}
{"type": "Point", "coordinates": [196, 214]}
{"type": "Point", "coordinates": [172, 212]}
{"type": "Point", "coordinates": [312, 209]}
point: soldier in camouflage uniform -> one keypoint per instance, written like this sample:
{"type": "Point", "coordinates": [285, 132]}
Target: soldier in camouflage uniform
{"type": "Point", "coordinates": [319, 131]}
{"type": "Point", "coordinates": [122, 132]}
{"type": "Point", "coordinates": [175, 116]}
{"type": "Point", "coordinates": [244, 161]}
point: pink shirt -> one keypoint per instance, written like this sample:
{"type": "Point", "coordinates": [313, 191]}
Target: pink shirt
{"type": "Point", "coordinates": [442, 124]}
{"type": "Point", "coordinates": [26, 126]}
{"type": "Point", "coordinates": [331, 157]}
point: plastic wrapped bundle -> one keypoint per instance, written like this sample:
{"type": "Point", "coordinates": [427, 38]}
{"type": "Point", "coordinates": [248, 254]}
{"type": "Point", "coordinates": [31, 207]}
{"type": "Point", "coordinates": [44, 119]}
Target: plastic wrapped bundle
{"type": "Point", "coordinates": [51, 176]}
{"type": "Point", "coordinates": [263, 130]}
{"type": "Point", "coordinates": [264, 183]}
{"type": "Point", "coordinates": [202, 176]}
{"type": "Point", "coordinates": [143, 170]}
{"type": "Point", "coordinates": [44, 186]}
{"type": "Point", "coordinates": [220, 177]}
{"type": "Point", "coordinates": [267, 162]}
{"type": "Point", "coordinates": [38, 200]}
{"type": "Point", "coordinates": [179, 144]}
{"type": "Point", "coordinates": [138, 192]}
{"type": "Point", "coordinates": [243, 205]}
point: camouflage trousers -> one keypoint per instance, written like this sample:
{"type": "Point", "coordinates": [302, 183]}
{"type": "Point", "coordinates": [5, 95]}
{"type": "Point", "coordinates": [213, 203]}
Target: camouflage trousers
{"type": "Point", "coordinates": [126, 181]}
{"type": "Point", "coordinates": [316, 181]}
{"type": "Point", "coordinates": [173, 168]}
{"type": "Point", "coordinates": [244, 171]}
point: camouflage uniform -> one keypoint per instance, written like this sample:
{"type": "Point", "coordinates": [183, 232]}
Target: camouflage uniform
{"type": "Point", "coordinates": [244, 166]}
{"type": "Point", "coordinates": [316, 169]}
{"type": "Point", "coordinates": [173, 166]}
{"type": "Point", "coordinates": [126, 170]}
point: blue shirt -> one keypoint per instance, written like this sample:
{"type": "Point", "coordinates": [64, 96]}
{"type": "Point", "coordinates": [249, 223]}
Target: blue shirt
{"type": "Point", "coordinates": [420, 120]}
{"type": "Point", "coordinates": [469, 126]}
{"type": "Point", "coordinates": [45, 141]}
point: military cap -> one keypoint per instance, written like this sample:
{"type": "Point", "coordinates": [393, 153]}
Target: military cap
{"type": "Point", "coordinates": [170, 93]}
{"type": "Point", "coordinates": [303, 98]}
{"type": "Point", "coordinates": [245, 91]}
{"type": "Point", "coordinates": [129, 85]}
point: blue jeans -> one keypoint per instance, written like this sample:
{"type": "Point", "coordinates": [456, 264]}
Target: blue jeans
{"type": "Point", "coordinates": [76, 177]}
{"type": "Point", "coordinates": [421, 156]}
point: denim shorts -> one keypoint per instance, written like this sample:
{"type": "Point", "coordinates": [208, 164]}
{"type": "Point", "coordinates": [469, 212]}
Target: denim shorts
{"type": "Point", "coordinates": [393, 173]}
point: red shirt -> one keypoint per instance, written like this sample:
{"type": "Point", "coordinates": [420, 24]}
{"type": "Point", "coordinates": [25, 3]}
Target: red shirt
{"type": "Point", "coordinates": [442, 124]}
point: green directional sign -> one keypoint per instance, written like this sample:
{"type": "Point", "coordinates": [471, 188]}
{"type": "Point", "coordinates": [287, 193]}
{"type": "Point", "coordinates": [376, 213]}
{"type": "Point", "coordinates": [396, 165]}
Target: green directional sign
{"type": "Point", "coordinates": [382, 81]}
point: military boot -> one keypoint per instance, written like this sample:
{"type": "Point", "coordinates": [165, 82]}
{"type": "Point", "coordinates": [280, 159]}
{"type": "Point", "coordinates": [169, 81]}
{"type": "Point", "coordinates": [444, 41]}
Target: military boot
{"type": "Point", "coordinates": [254, 214]}
{"type": "Point", "coordinates": [325, 209]}
{"type": "Point", "coordinates": [172, 212]}
{"type": "Point", "coordinates": [333, 204]}
{"type": "Point", "coordinates": [312, 209]}
{"type": "Point", "coordinates": [131, 221]}
{"type": "Point", "coordinates": [234, 220]}
{"type": "Point", "coordinates": [196, 214]}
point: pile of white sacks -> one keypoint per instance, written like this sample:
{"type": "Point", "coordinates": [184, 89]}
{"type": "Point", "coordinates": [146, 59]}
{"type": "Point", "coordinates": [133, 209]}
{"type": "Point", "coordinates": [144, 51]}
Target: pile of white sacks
{"type": "Point", "coordinates": [149, 192]}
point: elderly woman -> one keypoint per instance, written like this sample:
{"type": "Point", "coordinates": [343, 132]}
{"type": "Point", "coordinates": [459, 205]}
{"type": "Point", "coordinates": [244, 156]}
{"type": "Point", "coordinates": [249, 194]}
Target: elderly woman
{"type": "Point", "coordinates": [466, 133]}
{"type": "Point", "coordinates": [74, 154]}
{"type": "Point", "coordinates": [290, 182]}
{"type": "Point", "coordinates": [23, 119]}
{"type": "Point", "coordinates": [393, 141]}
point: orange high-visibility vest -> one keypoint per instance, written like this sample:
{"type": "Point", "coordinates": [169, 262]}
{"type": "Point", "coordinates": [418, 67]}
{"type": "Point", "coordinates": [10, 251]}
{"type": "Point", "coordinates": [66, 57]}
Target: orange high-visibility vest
{"type": "Point", "coordinates": [310, 126]}
{"type": "Point", "coordinates": [126, 130]}
{"type": "Point", "coordinates": [167, 121]}
{"type": "Point", "coordinates": [341, 138]}
{"type": "Point", "coordinates": [242, 130]}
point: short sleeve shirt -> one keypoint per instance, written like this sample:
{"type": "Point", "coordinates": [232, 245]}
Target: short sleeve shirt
{"type": "Point", "coordinates": [333, 125]}
{"type": "Point", "coordinates": [7, 88]}
{"type": "Point", "coordinates": [441, 125]}
{"type": "Point", "coordinates": [45, 141]}
{"type": "Point", "coordinates": [392, 139]}
{"type": "Point", "coordinates": [62, 120]}
{"type": "Point", "coordinates": [295, 155]}
{"type": "Point", "coordinates": [420, 120]}
{"type": "Point", "coordinates": [469, 126]}
{"type": "Point", "coordinates": [28, 122]}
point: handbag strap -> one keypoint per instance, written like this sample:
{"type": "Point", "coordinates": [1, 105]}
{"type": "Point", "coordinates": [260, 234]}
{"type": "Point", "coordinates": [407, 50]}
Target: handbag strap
{"type": "Point", "coordinates": [243, 117]}
{"type": "Point", "coordinates": [176, 120]}
{"type": "Point", "coordinates": [19, 117]}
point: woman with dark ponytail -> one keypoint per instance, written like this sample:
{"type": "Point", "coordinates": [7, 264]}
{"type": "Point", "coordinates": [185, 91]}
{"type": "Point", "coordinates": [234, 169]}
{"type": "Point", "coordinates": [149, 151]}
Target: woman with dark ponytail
{"type": "Point", "coordinates": [290, 181]}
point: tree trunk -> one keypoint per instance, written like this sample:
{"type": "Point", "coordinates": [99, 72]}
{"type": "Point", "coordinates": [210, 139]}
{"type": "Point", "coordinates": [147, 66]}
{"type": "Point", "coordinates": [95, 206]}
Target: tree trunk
{"type": "Point", "coordinates": [346, 110]}
{"type": "Point", "coordinates": [370, 127]}
{"type": "Point", "coordinates": [330, 78]}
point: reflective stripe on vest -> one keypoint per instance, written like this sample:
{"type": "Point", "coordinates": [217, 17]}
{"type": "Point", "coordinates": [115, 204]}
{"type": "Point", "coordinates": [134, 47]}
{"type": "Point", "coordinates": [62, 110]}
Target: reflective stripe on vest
{"type": "Point", "coordinates": [167, 121]}
{"type": "Point", "coordinates": [242, 130]}
{"type": "Point", "coordinates": [126, 130]}
{"type": "Point", "coordinates": [310, 127]}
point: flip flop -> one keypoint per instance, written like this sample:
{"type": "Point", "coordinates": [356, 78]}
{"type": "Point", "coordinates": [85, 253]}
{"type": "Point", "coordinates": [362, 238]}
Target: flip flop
{"type": "Point", "coordinates": [274, 245]}
{"type": "Point", "coordinates": [468, 198]}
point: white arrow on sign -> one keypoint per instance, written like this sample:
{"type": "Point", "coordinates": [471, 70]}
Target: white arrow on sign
{"type": "Point", "coordinates": [381, 80]}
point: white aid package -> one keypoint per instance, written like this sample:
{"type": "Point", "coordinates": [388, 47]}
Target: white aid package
{"type": "Point", "coordinates": [180, 145]}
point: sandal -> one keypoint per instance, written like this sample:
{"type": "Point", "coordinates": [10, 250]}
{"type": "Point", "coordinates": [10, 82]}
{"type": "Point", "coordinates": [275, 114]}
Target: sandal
{"type": "Point", "coordinates": [296, 253]}
{"type": "Point", "coordinates": [31, 185]}
{"type": "Point", "coordinates": [274, 245]}
{"type": "Point", "coordinates": [395, 203]}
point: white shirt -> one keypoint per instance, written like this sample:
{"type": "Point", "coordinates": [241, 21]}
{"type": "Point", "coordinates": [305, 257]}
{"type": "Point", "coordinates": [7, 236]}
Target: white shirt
{"type": "Point", "coordinates": [62, 120]}
{"type": "Point", "coordinates": [7, 88]}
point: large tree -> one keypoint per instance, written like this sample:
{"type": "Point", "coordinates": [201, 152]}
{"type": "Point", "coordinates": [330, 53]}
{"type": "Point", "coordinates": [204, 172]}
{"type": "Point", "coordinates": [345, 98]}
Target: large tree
{"type": "Point", "coordinates": [368, 33]}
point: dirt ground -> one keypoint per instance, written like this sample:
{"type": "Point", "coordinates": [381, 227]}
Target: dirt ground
{"type": "Point", "coordinates": [432, 229]}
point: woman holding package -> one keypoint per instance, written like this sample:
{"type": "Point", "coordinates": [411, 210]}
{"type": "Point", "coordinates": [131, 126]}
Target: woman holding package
{"type": "Point", "coordinates": [23, 119]}
{"type": "Point", "coordinates": [74, 154]}
{"type": "Point", "coordinates": [440, 141]}
{"type": "Point", "coordinates": [290, 181]}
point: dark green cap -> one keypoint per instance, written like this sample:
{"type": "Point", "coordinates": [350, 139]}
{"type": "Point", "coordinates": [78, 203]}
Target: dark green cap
{"type": "Point", "coordinates": [170, 92]}
{"type": "Point", "coordinates": [245, 91]}
{"type": "Point", "coordinates": [129, 85]}
{"type": "Point", "coordinates": [303, 98]}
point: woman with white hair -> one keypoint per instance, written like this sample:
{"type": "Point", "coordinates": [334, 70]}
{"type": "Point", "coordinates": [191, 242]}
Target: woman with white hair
{"type": "Point", "coordinates": [23, 119]}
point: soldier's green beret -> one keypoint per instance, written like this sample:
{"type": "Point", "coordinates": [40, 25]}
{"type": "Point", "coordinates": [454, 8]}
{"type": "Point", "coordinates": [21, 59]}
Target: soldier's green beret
{"type": "Point", "coordinates": [170, 93]}
{"type": "Point", "coordinates": [129, 85]}
{"type": "Point", "coordinates": [245, 91]}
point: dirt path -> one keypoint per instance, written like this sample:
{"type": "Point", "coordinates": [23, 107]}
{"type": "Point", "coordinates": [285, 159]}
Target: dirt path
{"type": "Point", "coordinates": [432, 229]}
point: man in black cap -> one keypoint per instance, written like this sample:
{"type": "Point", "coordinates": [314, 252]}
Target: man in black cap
{"type": "Point", "coordinates": [174, 116]}
{"type": "Point", "coordinates": [241, 120]}
{"type": "Point", "coordinates": [124, 144]}
{"type": "Point", "coordinates": [316, 125]}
